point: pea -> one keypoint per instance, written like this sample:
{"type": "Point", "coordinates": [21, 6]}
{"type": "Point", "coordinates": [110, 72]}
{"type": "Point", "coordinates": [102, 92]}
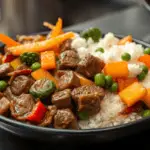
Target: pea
{"type": "Point", "coordinates": [126, 56]}
{"type": "Point", "coordinates": [35, 66]}
{"type": "Point", "coordinates": [83, 115]}
{"type": "Point", "coordinates": [146, 113]}
{"type": "Point", "coordinates": [114, 87]}
{"type": "Point", "coordinates": [3, 85]}
{"type": "Point", "coordinates": [147, 51]}
{"type": "Point", "coordinates": [99, 50]}
{"type": "Point", "coordinates": [108, 80]}
{"type": "Point", "coordinates": [99, 79]}
{"type": "Point", "coordinates": [145, 69]}
{"type": "Point", "coordinates": [141, 76]}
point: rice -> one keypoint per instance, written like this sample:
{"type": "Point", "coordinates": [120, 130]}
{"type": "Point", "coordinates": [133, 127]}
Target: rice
{"type": "Point", "coordinates": [111, 105]}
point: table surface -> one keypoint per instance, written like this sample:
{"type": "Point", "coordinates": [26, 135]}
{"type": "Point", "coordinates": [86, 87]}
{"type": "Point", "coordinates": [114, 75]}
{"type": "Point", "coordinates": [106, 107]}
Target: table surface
{"type": "Point", "coordinates": [133, 21]}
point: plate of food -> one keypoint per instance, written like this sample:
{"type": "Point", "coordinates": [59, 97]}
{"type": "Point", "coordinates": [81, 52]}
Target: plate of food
{"type": "Point", "coordinates": [74, 85]}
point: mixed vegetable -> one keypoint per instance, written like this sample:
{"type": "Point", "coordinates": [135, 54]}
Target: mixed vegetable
{"type": "Point", "coordinates": [46, 82]}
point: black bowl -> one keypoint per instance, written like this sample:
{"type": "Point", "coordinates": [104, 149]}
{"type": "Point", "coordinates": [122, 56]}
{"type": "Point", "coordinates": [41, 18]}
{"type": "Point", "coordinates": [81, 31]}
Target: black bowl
{"type": "Point", "coordinates": [74, 136]}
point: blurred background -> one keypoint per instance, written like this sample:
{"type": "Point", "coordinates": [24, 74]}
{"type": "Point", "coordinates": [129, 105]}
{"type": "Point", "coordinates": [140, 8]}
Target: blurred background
{"type": "Point", "coordinates": [27, 16]}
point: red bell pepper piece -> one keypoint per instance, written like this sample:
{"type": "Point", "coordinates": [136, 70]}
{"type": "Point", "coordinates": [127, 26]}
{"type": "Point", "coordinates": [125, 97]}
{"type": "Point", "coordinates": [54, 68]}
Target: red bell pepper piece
{"type": "Point", "coordinates": [37, 113]}
{"type": "Point", "coordinates": [135, 108]}
{"type": "Point", "coordinates": [20, 72]}
{"type": "Point", "coordinates": [8, 57]}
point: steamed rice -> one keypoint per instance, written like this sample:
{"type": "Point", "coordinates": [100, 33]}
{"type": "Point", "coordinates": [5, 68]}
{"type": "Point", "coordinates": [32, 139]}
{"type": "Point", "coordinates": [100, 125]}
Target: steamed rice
{"type": "Point", "coordinates": [111, 105]}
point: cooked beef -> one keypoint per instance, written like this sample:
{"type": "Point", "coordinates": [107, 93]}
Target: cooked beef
{"type": "Point", "coordinates": [90, 65]}
{"type": "Point", "coordinates": [65, 119]}
{"type": "Point", "coordinates": [66, 45]}
{"type": "Point", "coordinates": [1, 95]}
{"type": "Point", "coordinates": [88, 98]}
{"type": "Point", "coordinates": [48, 119]}
{"type": "Point", "coordinates": [68, 80]}
{"type": "Point", "coordinates": [62, 99]}
{"type": "Point", "coordinates": [4, 69]}
{"type": "Point", "coordinates": [10, 96]}
{"type": "Point", "coordinates": [1, 56]}
{"type": "Point", "coordinates": [68, 59]}
{"type": "Point", "coordinates": [29, 39]}
{"type": "Point", "coordinates": [22, 106]}
{"type": "Point", "coordinates": [21, 84]}
{"type": "Point", "coordinates": [4, 105]}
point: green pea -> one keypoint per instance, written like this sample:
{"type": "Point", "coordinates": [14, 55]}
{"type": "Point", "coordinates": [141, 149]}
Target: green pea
{"type": "Point", "coordinates": [108, 80]}
{"type": "Point", "coordinates": [99, 50]}
{"type": "Point", "coordinates": [114, 87]}
{"type": "Point", "coordinates": [83, 115]}
{"type": "Point", "coordinates": [146, 113]}
{"type": "Point", "coordinates": [3, 85]}
{"type": "Point", "coordinates": [141, 76]}
{"type": "Point", "coordinates": [99, 79]}
{"type": "Point", "coordinates": [147, 51]}
{"type": "Point", "coordinates": [126, 56]}
{"type": "Point", "coordinates": [35, 66]}
{"type": "Point", "coordinates": [145, 69]}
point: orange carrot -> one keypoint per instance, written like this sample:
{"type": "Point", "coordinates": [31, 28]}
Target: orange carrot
{"type": "Point", "coordinates": [48, 60]}
{"type": "Point", "coordinates": [83, 80]}
{"type": "Point", "coordinates": [146, 98]}
{"type": "Point", "coordinates": [132, 94]}
{"type": "Point", "coordinates": [124, 40]}
{"type": "Point", "coordinates": [117, 69]}
{"type": "Point", "coordinates": [123, 83]}
{"type": "Point", "coordinates": [7, 40]}
{"type": "Point", "coordinates": [145, 59]}
{"type": "Point", "coordinates": [57, 29]}
{"type": "Point", "coordinates": [48, 25]}
{"type": "Point", "coordinates": [41, 74]}
{"type": "Point", "coordinates": [40, 46]}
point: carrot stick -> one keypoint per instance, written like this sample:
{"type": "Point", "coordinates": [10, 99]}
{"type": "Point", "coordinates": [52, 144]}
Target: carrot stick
{"type": "Point", "coordinates": [125, 40]}
{"type": "Point", "coordinates": [48, 25]}
{"type": "Point", "coordinates": [8, 41]}
{"type": "Point", "coordinates": [41, 45]}
{"type": "Point", "coordinates": [57, 29]}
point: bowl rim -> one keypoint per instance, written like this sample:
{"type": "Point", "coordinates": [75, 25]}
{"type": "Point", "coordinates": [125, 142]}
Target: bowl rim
{"type": "Point", "coordinates": [19, 124]}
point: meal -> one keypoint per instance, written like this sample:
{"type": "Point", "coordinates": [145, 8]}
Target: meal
{"type": "Point", "coordinates": [71, 80]}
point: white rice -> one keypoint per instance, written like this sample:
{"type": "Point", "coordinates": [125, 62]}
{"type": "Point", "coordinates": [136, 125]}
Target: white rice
{"type": "Point", "coordinates": [111, 105]}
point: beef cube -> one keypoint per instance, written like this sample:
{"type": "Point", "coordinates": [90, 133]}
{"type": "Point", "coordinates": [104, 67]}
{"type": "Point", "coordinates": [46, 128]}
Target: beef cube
{"type": "Point", "coordinates": [4, 69]}
{"type": "Point", "coordinates": [68, 80]}
{"type": "Point", "coordinates": [65, 119]}
{"type": "Point", "coordinates": [68, 59]}
{"type": "Point", "coordinates": [88, 98]}
{"type": "Point", "coordinates": [1, 95]}
{"type": "Point", "coordinates": [21, 84]}
{"type": "Point", "coordinates": [48, 119]}
{"type": "Point", "coordinates": [4, 105]}
{"type": "Point", "coordinates": [22, 106]}
{"type": "Point", "coordinates": [62, 99]}
{"type": "Point", "coordinates": [90, 65]}
{"type": "Point", "coordinates": [66, 45]}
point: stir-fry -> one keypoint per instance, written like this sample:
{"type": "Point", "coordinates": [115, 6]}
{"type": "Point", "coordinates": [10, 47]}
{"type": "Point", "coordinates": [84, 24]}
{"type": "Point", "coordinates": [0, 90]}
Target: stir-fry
{"type": "Point", "coordinates": [74, 80]}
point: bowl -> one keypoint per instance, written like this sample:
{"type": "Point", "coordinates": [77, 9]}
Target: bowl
{"type": "Point", "coordinates": [74, 136]}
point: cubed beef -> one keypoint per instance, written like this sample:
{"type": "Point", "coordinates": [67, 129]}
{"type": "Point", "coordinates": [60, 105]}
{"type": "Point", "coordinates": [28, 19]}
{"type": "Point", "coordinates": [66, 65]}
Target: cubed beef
{"type": "Point", "coordinates": [90, 65]}
{"type": "Point", "coordinates": [48, 119]}
{"type": "Point", "coordinates": [68, 59]}
{"type": "Point", "coordinates": [88, 98]}
{"type": "Point", "coordinates": [1, 95]}
{"type": "Point", "coordinates": [66, 45]}
{"type": "Point", "coordinates": [4, 69]}
{"type": "Point", "coordinates": [22, 106]}
{"type": "Point", "coordinates": [21, 84]}
{"type": "Point", "coordinates": [68, 80]}
{"type": "Point", "coordinates": [62, 99]}
{"type": "Point", "coordinates": [65, 119]}
{"type": "Point", "coordinates": [9, 95]}
{"type": "Point", "coordinates": [4, 105]}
